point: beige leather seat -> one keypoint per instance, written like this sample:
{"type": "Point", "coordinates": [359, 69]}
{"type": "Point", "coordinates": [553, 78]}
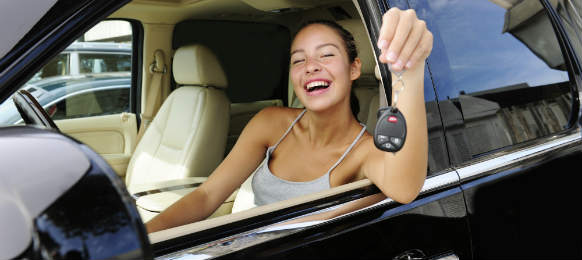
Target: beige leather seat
{"type": "Point", "coordinates": [187, 136]}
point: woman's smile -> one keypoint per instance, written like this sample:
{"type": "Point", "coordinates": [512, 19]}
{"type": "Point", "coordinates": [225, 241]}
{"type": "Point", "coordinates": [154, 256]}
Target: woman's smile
{"type": "Point", "coordinates": [315, 87]}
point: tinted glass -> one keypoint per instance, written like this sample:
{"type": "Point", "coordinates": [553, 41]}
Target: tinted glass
{"type": "Point", "coordinates": [104, 62]}
{"type": "Point", "coordinates": [499, 73]}
{"type": "Point", "coordinates": [58, 66]}
{"type": "Point", "coordinates": [101, 102]}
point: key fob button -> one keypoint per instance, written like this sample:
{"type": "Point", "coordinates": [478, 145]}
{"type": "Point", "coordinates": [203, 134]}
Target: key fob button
{"type": "Point", "coordinates": [396, 141]}
{"type": "Point", "coordinates": [388, 146]}
{"type": "Point", "coordinates": [382, 138]}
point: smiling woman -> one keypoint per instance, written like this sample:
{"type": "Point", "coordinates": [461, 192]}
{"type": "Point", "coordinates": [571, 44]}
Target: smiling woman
{"type": "Point", "coordinates": [305, 179]}
{"type": "Point", "coordinates": [324, 64]}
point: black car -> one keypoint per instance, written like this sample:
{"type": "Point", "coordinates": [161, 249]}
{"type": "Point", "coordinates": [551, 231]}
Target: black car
{"type": "Point", "coordinates": [502, 92]}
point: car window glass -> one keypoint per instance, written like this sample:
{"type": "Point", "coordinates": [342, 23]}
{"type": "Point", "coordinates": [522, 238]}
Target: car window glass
{"type": "Point", "coordinates": [58, 66]}
{"type": "Point", "coordinates": [499, 73]}
{"type": "Point", "coordinates": [100, 102]}
{"type": "Point", "coordinates": [91, 77]}
{"type": "Point", "coordinates": [99, 63]}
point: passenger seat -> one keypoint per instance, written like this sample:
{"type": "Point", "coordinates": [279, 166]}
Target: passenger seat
{"type": "Point", "coordinates": [187, 137]}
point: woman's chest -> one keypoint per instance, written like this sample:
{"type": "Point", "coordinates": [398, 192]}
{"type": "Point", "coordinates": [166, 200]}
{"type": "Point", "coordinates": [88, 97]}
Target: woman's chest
{"type": "Point", "coordinates": [303, 164]}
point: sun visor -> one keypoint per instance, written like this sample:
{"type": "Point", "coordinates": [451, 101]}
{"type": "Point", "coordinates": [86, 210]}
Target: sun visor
{"type": "Point", "coordinates": [283, 5]}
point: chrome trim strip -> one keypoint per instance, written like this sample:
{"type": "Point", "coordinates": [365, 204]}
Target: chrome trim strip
{"type": "Point", "coordinates": [263, 234]}
{"type": "Point", "coordinates": [431, 184]}
{"type": "Point", "coordinates": [487, 166]}
{"type": "Point", "coordinates": [160, 190]}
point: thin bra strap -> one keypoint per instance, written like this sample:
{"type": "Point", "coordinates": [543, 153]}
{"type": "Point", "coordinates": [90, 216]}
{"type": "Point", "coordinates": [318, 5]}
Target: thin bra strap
{"type": "Point", "coordinates": [349, 149]}
{"type": "Point", "coordinates": [290, 127]}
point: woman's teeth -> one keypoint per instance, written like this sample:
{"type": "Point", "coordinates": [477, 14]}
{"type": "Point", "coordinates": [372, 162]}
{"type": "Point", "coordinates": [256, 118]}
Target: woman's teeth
{"type": "Point", "coordinates": [316, 85]}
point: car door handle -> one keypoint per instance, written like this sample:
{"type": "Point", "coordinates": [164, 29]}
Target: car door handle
{"type": "Point", "coordinates": [417, 254]}
{"type": "Point", "coordinates": [412, 254]}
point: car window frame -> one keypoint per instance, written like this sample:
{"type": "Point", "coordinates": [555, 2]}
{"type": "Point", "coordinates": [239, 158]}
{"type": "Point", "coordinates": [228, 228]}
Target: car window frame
{"type": "Point", "coordinates": [246, 223]}
{"type": "Point", "coordinates": [74, 56]}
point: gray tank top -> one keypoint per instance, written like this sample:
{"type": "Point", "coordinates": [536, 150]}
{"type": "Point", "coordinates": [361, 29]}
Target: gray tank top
{"type": "Point", "coordinates": [269, 188]}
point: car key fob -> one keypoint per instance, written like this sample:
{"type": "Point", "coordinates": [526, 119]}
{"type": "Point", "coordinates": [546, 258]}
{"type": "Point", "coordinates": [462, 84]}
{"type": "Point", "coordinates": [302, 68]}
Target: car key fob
{"type": "Point", "coordinates": [390, 132]}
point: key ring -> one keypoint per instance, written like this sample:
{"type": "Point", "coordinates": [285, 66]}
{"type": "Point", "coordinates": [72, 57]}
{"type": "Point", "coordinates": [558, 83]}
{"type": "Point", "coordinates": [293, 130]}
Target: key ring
{"type": "Point", "coordinates": [394, 83]}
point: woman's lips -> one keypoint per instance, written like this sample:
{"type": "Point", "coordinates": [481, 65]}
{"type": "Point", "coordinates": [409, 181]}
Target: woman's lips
{"type": "Point", "coordinates": [316, 87]}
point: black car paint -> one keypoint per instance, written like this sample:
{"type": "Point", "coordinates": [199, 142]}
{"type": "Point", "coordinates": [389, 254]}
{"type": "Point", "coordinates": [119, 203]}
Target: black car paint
{"type": "Point", "coordinates": [528, 211]}
{"type": "Point", "coordinates": [95, 212]}
{"type": "Point", "coordinates": [387, 230]}
{"type": "Point", "coordinates": [104, 215]}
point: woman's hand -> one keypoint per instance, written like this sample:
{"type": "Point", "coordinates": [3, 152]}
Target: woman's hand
{"type": "Point", "coordinates": [404, 39]}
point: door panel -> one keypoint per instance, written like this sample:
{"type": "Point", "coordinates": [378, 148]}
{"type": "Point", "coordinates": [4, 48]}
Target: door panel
{"type": "Point", "coordinates": [530, 209]}
{"type": "Point", "coordinates": [431, 226]}
{"type": "Point", "coordinates": [112, 136]}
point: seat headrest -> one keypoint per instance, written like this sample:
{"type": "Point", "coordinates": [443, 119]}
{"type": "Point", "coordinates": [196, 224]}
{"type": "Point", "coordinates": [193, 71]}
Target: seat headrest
{"type": "Point", "coordinates": [197, 65]}
{"type": "Point", "coordinates": [365, 52]}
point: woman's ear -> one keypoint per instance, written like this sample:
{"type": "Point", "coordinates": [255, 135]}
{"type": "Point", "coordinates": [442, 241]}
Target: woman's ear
{"type": "Point", "coordinates": [355, 69]}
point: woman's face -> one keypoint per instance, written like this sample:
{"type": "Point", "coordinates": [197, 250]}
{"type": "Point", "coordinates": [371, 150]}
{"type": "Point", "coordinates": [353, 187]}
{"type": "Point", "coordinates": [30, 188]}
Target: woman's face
{"type": "Point", "coordinates": [320, 69]}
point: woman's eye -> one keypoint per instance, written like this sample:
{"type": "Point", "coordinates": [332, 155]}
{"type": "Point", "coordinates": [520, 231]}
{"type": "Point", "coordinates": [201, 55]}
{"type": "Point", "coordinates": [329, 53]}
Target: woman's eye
{"type": "Point", "coordinates": [297, 61]}
{"type": "Point", "coordinates": [327, 55]}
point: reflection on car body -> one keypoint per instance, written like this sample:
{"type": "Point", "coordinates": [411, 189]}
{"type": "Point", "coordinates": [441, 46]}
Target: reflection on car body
{"type": "Point", "coordinates": [504, 123]}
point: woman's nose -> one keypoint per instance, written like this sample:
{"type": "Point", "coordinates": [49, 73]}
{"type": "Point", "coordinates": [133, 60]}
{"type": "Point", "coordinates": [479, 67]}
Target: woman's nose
{"type": "Point", "coordinates": [312, 66]}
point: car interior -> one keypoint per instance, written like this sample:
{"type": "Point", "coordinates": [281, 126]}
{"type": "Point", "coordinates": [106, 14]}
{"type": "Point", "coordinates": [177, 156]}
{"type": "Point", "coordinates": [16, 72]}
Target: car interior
{"type": "Point", "coordinates": [206, 67]}
{"type": "Point", "coordinates": [227, 60]}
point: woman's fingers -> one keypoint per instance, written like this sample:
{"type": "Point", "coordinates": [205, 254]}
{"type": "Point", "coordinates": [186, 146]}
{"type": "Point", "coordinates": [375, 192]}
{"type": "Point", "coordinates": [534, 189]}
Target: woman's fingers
{"type": "Point", "coordinates": [422, 50]}
{"type": "Point", "coordinates": [410, 45]}
{"type": "Point", "coordinates": [403, 29]}
{"type": "Point", "coordinates": [389, 23]}
{"type": "Point", "coordinates": [403, 39]}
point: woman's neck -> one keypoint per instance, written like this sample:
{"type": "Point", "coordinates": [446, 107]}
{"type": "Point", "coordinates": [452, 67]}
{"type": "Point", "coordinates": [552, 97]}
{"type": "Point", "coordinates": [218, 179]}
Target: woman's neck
{"type": "Point", "coordinates": [329, 126]}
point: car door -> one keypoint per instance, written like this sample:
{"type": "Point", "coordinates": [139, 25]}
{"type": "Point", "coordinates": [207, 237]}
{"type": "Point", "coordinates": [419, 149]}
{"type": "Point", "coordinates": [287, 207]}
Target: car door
{"type": "Point", "coordinates": [507, 84]}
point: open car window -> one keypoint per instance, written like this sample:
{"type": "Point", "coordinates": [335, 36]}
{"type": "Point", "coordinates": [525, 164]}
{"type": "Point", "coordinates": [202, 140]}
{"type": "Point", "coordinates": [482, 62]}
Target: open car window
{"type": "Point", "coordinates": [258, 78]}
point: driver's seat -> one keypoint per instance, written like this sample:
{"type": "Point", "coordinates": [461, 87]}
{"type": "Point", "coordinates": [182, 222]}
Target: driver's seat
{"type": "Point", "coordinates": [187, 137]}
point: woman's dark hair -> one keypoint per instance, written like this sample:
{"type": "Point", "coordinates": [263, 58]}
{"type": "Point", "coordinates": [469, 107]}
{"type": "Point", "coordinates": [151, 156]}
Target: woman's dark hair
{"type": "Point", "coordinates": [351, 49]}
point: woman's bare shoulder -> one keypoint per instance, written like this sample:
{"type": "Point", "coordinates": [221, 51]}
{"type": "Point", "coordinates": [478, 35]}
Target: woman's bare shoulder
{"type": "Point", "coordinates": [272, 122]}
{"type": "Point", "coordinates": [276, 115]}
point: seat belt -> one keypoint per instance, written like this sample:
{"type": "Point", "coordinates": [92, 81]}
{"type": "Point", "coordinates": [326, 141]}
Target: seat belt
{"type": "Point", "coordinates": [157, 69]}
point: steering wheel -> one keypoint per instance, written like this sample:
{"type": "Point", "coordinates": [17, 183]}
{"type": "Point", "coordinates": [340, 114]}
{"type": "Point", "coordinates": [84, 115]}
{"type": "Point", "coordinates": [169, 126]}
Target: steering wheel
{"type": "Point", "coordinates": [31, 111]}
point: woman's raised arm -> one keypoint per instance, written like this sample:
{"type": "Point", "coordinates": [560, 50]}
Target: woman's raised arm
{"type": "Point", "coordinates": [405, 43]}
